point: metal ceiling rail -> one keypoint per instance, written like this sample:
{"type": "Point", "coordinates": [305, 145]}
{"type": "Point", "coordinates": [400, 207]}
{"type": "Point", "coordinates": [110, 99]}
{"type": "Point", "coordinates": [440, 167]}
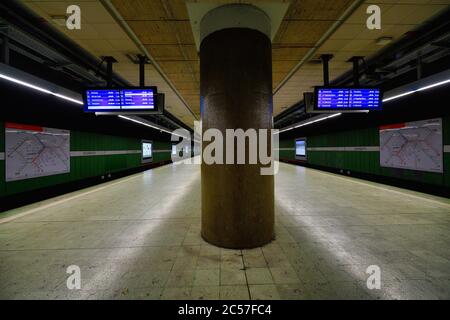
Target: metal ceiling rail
{"type": "Point", "coordinates": [16, 14]}
{"type": "Point", "coordinates": [119, 19]}
{"type": "Point", "coordinates": [396, 58]}
{"type": "Point", "coordinates": [41, 44]}
{"type": "Point", "coordinates": [44, 54]}
{"type": "Point", "coordinates": [424, 35]}
{"type": "Point", "coordinates": [309, 55]}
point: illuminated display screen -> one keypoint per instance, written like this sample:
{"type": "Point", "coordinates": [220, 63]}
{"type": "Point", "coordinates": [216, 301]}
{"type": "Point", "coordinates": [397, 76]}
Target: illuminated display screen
{"type": "Point", "coordinates": [103, 100]}
{"type": "Point", "coordinates": [146, 150]}
{"type": "Point", "coordinates": [300, 148]}
{"type": "Point", "coordinates": [174, 149]}
{"type": "Point", "coordinates": [138, 99]}
{"type": "Point", "coordinates": [120, 100]}
{"type": "Point", "coordinates": [348, 99]}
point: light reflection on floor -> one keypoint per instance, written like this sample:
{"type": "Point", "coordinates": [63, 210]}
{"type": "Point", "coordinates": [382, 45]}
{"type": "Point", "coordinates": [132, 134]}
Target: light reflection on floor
{"type": "Point", "coordinates": [139, 238]}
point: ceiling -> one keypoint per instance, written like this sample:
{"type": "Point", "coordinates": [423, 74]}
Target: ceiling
{"type": "Point", "coordinates": [353, 38]}
{"type": "Point", "coordinates": [101, 35]}
{"type": "Point", "coordinates": [162, 28]}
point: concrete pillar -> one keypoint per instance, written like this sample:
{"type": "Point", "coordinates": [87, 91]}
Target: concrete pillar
{"type": "Point", "coordinates": [236, 93]}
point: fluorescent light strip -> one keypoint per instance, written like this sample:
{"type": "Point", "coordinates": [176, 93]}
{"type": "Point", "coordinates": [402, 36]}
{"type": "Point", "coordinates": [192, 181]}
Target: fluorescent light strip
{"type": "Point", "coordinates": [151, 126]}
{"type": "Point", "coordinates": [40, 89]}
{"type": "Point", "coordinates": [317, 120]}
{"type": "Point", "coordinates": [32, 86]}
{"type": "Point", "coordinates": [417, 90]}
{"type": "Point", "coordinates": [310, 122]}
{"type": "Point", "coordinates": [384, 100]}
{"type": "Point", "coordinates": [434, 85]}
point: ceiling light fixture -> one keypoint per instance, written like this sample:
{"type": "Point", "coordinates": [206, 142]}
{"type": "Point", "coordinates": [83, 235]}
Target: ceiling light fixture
{"type": "Point", "coordinates": [437, 84]}
{"type": "Point", "coordinates": [61, 96]}
{"type": "Point", "coordinates": [317, 120]}
{"type": "Point", "coordinates": [384, 41]}
{"type": "Point", "coordinates": [151, 126]}
{"type": "Point", "coordinates": [37, 88]}
{"type": "Point", "coordinates": [309, 122]}
{"type": "Point", "coordinates": [59, 19]}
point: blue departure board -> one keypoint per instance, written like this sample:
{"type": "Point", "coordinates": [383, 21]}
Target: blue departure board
{"type": "Point", "coordinates": [121, 100]}
{"type": "Point", "coordinates": [138, 99]}
{"type": "Point", "coordinates": [347, 99]}
{"type": "Point", "coordinates": [102, 100]}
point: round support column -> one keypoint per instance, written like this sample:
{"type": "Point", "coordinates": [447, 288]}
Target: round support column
{"type": "Point", "coordinates": [236, 93]}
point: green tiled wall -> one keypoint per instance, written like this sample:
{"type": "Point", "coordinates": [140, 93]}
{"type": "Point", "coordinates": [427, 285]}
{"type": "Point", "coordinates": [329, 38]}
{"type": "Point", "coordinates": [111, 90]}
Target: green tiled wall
{"type": "Point", "coordinates": [287, 149]}
{"type": "Point", "coordinates": [162, 156]}
{"type": "Point", "coordinates": [87, 166]}
{"type": "Point", "coordinates": [2, 162]}
{"type": "Point", "coordinates": [365, 161]}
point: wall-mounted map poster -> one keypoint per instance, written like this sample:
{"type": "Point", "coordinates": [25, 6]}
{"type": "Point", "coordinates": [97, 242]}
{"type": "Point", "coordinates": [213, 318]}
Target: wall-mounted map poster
{"type": "Point", "coordinates": [412, 145]}
{"type": "Point", "coordinates": [33, 151]}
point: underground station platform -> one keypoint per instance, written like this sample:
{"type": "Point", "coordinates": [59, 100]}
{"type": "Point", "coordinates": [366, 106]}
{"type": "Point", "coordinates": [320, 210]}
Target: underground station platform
{"type": "Point", "coordinates": [225, 150]}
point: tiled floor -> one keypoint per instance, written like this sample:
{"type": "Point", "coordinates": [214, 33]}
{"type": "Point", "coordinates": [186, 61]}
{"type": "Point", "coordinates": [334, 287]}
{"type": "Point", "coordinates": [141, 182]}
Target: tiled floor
{"type": "Point", "coordinates": [139, 238]}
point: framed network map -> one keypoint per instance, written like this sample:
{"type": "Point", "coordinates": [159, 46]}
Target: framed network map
{"type": "Point", "coordinates": [33, 151]}
{"type": "Point", "coordinates": [414, 145]}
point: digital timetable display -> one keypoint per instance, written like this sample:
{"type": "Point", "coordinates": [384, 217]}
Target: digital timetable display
{"type": "Point", "coordinates": [102, 100]}
{"type": "Point", "coordinates": [347, 99]}
{"type": "Point", "coordinates": [120, 100]}
{"type": "Point", "coordinates": [138, 99]}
